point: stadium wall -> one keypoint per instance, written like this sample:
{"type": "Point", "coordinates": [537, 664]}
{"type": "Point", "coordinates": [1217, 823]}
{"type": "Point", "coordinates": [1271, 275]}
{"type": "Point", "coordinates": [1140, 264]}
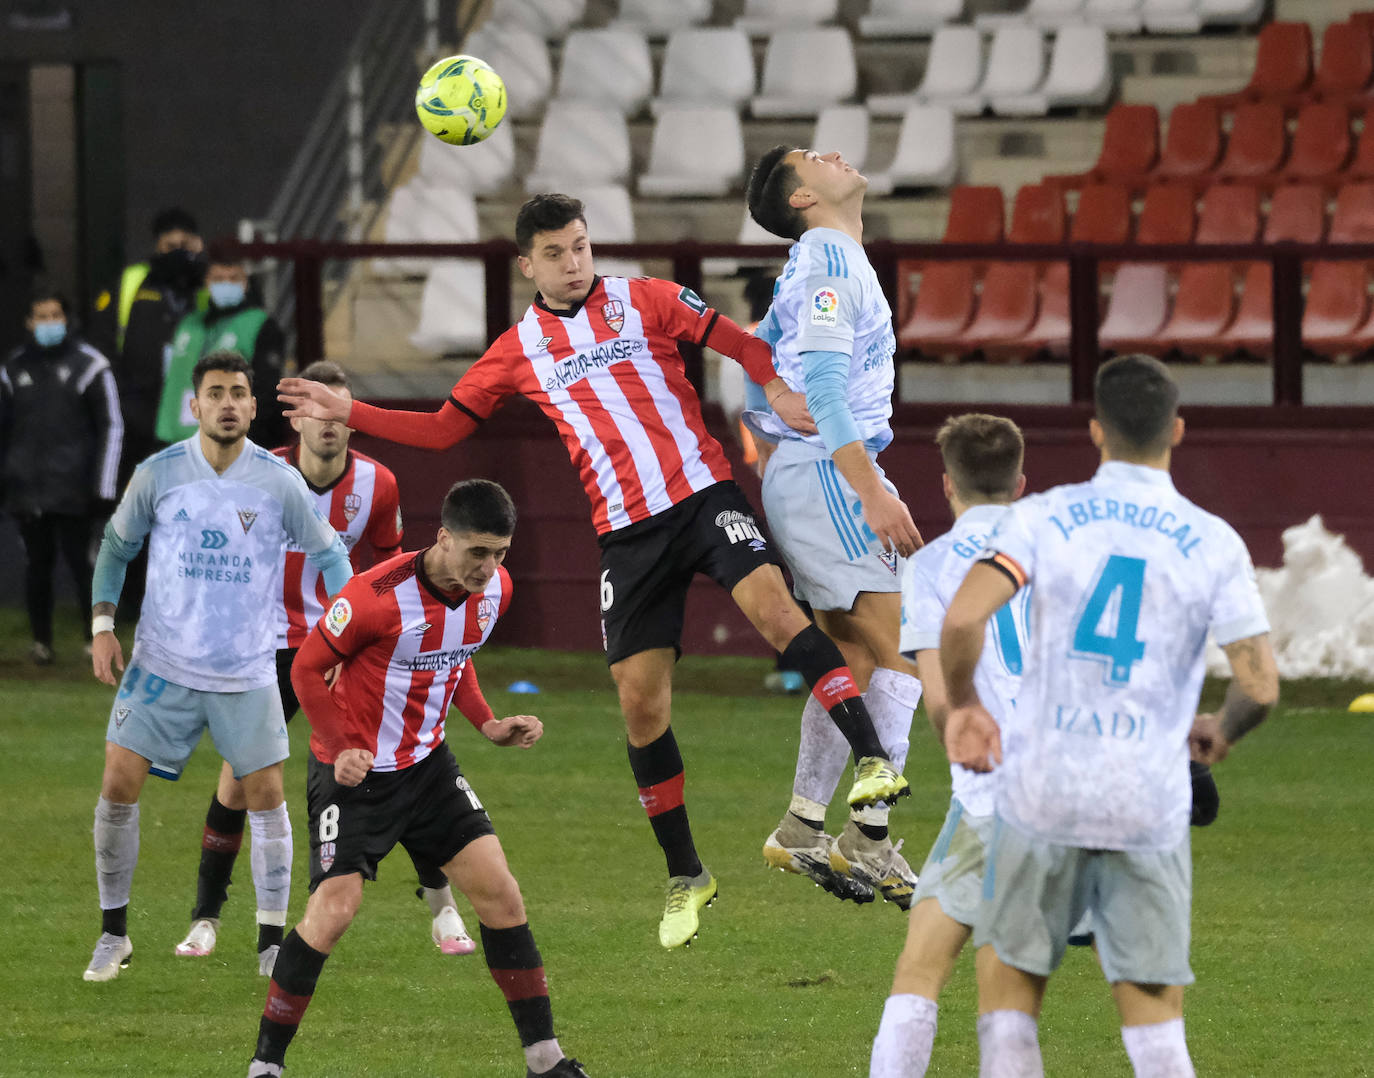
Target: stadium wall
{"type": "Point", "coordinates": [1263, 469]}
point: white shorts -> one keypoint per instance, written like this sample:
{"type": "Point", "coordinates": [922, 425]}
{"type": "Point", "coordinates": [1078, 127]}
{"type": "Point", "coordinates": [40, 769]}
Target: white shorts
{"type": "Point", "coordinates": [163, 721]}
{"type": "Point", "coordinates": [1035, 893]}
{"type": "Point", "coordinates": [818, 522]}
{"type": "Point", "coordinates": [953, 873]}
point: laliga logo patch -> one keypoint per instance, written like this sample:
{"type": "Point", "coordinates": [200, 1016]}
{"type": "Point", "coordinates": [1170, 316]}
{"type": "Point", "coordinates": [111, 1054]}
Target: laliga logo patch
{"type": "Point", "coordinates": [486, 610]}
{"type": "Point", "coordinates": [246, 518]}
{"type": "Point", "coordinates": [121, 713]}
{"type": "Point", "coordinates": [353, 504]}
{"type": "Point", "coordinates": [613, 313]}
{"type": "Point", "coordinates": [340, 614]}
{"type": "Point", "coordinates": [326, 855]}
{"type": "Point", "coordinates": [824, 305]}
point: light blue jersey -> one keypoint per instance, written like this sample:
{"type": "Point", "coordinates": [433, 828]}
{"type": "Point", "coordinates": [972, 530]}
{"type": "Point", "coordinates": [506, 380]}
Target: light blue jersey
{"type": "Point", "coordinates": [216, 546]}
{"type": "Point", "coordinates": [828, 300]}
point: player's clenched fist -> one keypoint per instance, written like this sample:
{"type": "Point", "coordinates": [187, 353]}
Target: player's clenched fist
{"type": "Point", "coordinates": [972, 739]}
{"type": "Point", "coordinates": [519, 731]}
{"type": "Point", "coordinates": [351, 766]}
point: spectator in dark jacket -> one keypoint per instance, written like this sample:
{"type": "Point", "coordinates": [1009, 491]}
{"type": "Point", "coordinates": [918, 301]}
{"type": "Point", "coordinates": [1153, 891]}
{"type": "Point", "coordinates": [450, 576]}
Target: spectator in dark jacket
{"type": "Point", "coordinates": [60, 437]}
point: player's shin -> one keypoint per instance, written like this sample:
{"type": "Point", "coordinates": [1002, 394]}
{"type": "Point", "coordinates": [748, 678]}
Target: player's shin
{"type": "Point", "coordinates": [219, 849]}
{"type": "Point", "coordinates": [518, 970]}
{"type": "Point", "coordinates": [1158, 1050]}
{"type": "Point", "coordinates": [659, 775]}
{"type": "Point", "coordinates": [116, 854]}
{"type": "Point", "coordinates": [271, 859]}
{"type": "Point", "coordinates": [905, 1037]}
{"type": "Point", "coordinates": [1009, 1046]}
{"type": "Point", "coordinates": [831, 683]}
{"type": "Point", "coordinates": [293, 983]}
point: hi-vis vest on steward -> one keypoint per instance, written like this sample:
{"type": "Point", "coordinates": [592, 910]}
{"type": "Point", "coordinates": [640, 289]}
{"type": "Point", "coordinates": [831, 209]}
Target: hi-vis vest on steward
{"type": "Point", "coordinates": [130, 281]}
{"type": "Point", "coordinates": [192, 340]}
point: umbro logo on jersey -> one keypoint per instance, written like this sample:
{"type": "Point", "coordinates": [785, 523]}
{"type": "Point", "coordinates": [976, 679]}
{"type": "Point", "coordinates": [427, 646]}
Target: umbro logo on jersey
{"type": "Point", "coordinates": [246, 518]}
{"type": "Point", "coordinates": [181, 516]}
{"type": "Point", "coordinates": [353, 504]}
{"type": "Point", "coordinates": [613, 313]}
{"type": "Point", "coordinates": [420, 627]}
{"type": "Point", "coordinates": [213, 540]}
{"type": "Point", "coordinates": [544, 342]}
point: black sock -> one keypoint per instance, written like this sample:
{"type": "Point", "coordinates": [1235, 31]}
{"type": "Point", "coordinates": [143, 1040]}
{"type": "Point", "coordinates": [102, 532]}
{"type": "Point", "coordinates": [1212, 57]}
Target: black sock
{"type": "Point", "coordinates": [293, 983]}
{"type": "Point", "coordinates": [877, 832]}
{"type": "Point", "coordinates": [115, 922]}
{"type": "Point", "coordinates": [830, 680]}
{"type": "Point", "coordinates": [269, 936]}
{"type": "Point", "coordinates": [658, 773]}
{"type": "Point", "coordinates": [219, 847]}
{"type": "Point", "coordinates": [518, 971]}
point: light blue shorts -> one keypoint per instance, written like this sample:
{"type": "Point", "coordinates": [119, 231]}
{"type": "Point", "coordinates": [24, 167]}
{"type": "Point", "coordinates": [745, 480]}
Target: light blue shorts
{"type": "Point", "coordinates": [1035, 893]}
{"type": "Point", "coordinates": [818, 522]}
{"type": "Point", "coordinates": [953, 873]}
{"type": "Point", "coordinates": [163, 721]}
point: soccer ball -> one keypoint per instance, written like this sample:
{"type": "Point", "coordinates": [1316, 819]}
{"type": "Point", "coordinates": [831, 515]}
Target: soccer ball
{"type": "Point", "coordinates": [461, 100]}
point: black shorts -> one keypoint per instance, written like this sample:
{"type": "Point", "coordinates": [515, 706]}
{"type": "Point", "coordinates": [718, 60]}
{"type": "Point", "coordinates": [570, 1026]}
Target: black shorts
{"type": "Point", "coordinates": [647, 567]}
{"type": "Point", "coordinates": [428, 808]}
{"type": "Point", "coordinates": [289, 704]}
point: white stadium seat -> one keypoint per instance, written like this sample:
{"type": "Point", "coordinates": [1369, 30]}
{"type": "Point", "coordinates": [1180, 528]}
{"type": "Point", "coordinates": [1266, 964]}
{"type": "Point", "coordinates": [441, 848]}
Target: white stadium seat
{"type": "Point", "coordinates": [522, 58]}
{"type": "Point", "coordinates": [453, 308]}
{"type": "Point", "coordinates": [1015, 70]}
{"type": "Point", "coordinates": [843, 128]}
{"type": "Point", "coordinates": [1080, 75]}
{"type": "Point", "coordinates": [610, 219]}
{"type": "Point", "coordinates": [711, 65]}
{"type": "Point", "coordinates": [750, 231]}
{"type": "Point", "coordinates": [480, 169]}
{"type": "Point", "coordinates": [1048, 13]}
{"type": "Point", "coordinates": [656, 18]}
{"type": "Point", "coordinates": [762, 17]}
{"type": "Point", "coordinates": [550, 19]}
{"type": "Point", "coordinates": [1118, 16]}
{"type": "Point", "coordinates": [608, 68]}
{"type": "Point", "coordinates": [695, 151]}
{"type": "Point", "coordinates": [925, 154]}
{"type": "Point", "coordinates": [579, 144]}
{"type": "Point", "coordinates": [806, 70]}
{"type": "Point", "coordinates": [1171, 16]}
{"type": "Point", "coordinates": [902, 18]}
{"type": "Point", "coordinates": [420, 212]}
{"type": "Point", "coordinates": [1231, 12]}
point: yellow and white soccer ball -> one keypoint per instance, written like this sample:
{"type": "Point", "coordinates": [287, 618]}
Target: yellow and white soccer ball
{"type": "Point", "coordinates": [461, 100]}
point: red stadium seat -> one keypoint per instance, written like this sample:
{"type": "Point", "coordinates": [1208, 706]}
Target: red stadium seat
{"type": "Point", "coordinates": [1361, 165]}
{"type": "Point", "coordinates": [1193, 143]}
{"type": "Point", "coordinates": [1205, 298]}
{"type": "Point", "coordinates": [1256, 146]}
{"type": "Point", "coordinates": [1103, 216]}
{"type": "Point", "coordinates": [1283, 66]}
{"type": "Point", "coordinates": [1347, 62]}
{"type": "Point", "coordinates": [943, 305]}
{"type": "Point", "coordinates": [1008, 303]}
{"type": "Point", "coordinates": [1140, 291]}
{"type": "Point", "coordinates": [1336, 317]}
{"type": "Point", "coordinates": [1298, 214]}
{"type": "Point", "coordinates": [1130, 148]}
{"type": "Point", "coordinates": [1321, 145]}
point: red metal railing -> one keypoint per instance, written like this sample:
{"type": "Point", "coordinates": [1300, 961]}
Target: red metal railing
{"type": "Point", "coordinates": [1285, 260]}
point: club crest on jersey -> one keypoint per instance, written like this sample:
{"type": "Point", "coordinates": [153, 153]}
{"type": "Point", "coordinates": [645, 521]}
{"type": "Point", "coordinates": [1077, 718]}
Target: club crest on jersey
{"type": "Point", "coordinates": [889, 558]}
{"type": "Point", "coordinates": [486, 610]}
{"type": "Point", "coordinates": [246, 518]}
{"type": "Point", "coordinates": [340, 614]}
{"type": "Point", "coordinates": [824, 305]}
{"type": "Point", "coordinates": [353, 504]}
{"type": "Point", "coordinates": [613, 314]}
{"type": "Point", "coordinates": [121, 713]}
{"type": "Point", "coordinates": [326, 856]}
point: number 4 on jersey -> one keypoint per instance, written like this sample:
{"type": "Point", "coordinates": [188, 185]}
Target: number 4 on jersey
{"type": "Point", "coordinates": [1123, 580]}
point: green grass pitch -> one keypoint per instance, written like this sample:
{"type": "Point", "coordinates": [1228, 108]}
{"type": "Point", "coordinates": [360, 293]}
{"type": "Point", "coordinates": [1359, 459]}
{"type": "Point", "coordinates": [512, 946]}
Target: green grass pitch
{"type": "Point", "coordinates": [784, 980]}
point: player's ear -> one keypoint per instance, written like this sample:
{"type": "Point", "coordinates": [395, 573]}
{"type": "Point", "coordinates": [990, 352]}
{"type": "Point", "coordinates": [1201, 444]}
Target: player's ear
{"type": "Point", "coordinates": [526, 266]}
{"type": "Point", "coordinates": [803, 198]}
{"type": "Point", "coordinates": [1020, 487]}
{"type": "Point", "coordinates": [1096, 433]}
{"type": "Point", "coordinates": [195, 407]}
{"type": "Point", "coordinates": [947, 486]}
{"type": "Point", "coordinates": [1176, 435]}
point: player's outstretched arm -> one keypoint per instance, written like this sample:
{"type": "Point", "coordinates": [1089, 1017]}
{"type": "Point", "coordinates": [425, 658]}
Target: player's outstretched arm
{"type": "Point", "coordinates": [304, 399]}
{"type": "Point", "coordinates": [514, 731]}
{"type": "Point", "coordinates": [1252, 694]}
{"type": "Point", "coordinates": [424, 430]}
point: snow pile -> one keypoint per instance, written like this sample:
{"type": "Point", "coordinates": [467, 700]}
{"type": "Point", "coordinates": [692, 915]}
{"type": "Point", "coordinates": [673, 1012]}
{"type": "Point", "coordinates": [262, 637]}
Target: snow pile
{"type": "Point", "coordinates": [1321, 608]}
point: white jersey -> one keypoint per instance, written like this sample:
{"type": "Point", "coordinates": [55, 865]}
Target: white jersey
{"type": "Point", "coordinates": [215, 551]}
{"type": "Point", "coordinates": [829, 299]}
{"type": "Point", "coordinates": [933, 574]}
{"type": "Point", "coordinates": [1128, 576]}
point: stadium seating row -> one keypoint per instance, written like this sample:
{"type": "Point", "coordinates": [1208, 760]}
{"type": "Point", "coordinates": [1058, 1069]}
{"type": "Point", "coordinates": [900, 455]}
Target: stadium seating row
{"type": "Point", "coordinates": [1015, 309]}
{"type": "Point", "coordinates": [1284, 71]}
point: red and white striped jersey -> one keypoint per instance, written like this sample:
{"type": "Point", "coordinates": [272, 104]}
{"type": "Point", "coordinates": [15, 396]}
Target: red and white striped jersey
{"type": "Point", "coordinates": [404, 645]}
{"type": "Point", "coordinates": [363, 503]}
{"type": "Point", "coordinates": [610, 377]}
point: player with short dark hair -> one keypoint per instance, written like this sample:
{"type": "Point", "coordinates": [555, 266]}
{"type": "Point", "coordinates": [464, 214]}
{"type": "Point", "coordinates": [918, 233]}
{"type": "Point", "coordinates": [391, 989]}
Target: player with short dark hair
{"type": "Point", "coordinates": [381, 772]}
{"type": "Point", "coordinates": [837, 518]}
{"type": "Point", "coordinates": [599, 356]}
{"type": "Point", "coordinates": [1092, 798]}
{"type": "Point", "coordinates": [218, 512]}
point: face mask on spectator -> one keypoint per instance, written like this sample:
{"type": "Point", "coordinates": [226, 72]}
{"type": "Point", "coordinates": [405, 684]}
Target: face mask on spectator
{"type": "Point", "coordinates": [49, 334]}
{"type": "Point", "coordinates": [226, 294]}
